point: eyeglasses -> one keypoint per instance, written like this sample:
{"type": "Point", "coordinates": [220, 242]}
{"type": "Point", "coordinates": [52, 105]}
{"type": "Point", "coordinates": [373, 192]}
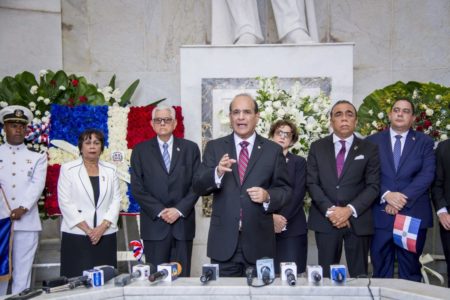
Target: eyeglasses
{"type": "Point", "coordinates": [283, 134]}
{"type": "Point", "coordinates": [160, 120]}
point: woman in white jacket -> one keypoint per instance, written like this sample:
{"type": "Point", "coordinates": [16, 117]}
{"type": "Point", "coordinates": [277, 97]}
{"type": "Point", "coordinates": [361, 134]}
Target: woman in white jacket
{"type": "Point", "coordinates": [89, 199]}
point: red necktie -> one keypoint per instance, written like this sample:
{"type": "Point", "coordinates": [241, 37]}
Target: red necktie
{"type": "Point", "coordinates": [243, 160]}
{"type": "Point", "coordinates": [340, 159]}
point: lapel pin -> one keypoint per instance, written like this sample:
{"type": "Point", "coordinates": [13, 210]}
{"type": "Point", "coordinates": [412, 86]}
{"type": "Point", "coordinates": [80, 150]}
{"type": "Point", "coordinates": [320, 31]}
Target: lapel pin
{"type": "Point", "coordinates": [355, 148]}
{"type": "Point", "coordinates": [178, 149]}
{"type": "Point", "coordinates": [413, 138]}
{"type": "Point", "coordinates": [259, 147]}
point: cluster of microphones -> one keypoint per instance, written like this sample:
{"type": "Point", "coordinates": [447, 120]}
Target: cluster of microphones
{"type": "Point", "coordinates": [264, 271]}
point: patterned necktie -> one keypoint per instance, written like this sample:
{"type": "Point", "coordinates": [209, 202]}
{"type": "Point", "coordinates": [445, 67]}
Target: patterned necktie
{"type": "Point", "coordinates": [243, 160]}
{"type": "Point", "coordinates": [397, 150]}
{"type": "Point", "coordinates": [166, 156]}
{"type": "Point", "coordinates": [340, 159]}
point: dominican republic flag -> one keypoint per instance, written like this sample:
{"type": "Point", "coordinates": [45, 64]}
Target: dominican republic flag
{"type": "Point", "coordinates": [405, 232]}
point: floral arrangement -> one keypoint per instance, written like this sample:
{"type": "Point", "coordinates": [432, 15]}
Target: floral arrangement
{"type": "Point", "coordinates": [431, 101]}
{"type": "Point", "coordinates": [56, 88]}
{"type": "Point", "coordinates": [307, 112]}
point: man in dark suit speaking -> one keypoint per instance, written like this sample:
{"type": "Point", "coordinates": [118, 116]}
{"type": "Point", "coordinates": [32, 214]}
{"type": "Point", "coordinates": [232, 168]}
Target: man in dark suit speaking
{"type": "Point", "coordinates": [162, 170]}
{"type": "Point", "coordinates": [343, 181]}
{"type": "Point", "coordinates": [248, 176]}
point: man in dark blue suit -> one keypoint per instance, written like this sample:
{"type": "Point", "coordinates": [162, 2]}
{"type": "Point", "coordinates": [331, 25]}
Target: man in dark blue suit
{"type": "Point", "coordinates": [407, 171]}
{"type": "Point", "coordinates": [162, 170]}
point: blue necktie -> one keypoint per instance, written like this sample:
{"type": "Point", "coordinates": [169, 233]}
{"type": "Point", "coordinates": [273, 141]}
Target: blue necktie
{"type": "Point", "coordinates": [166, 156]}
{"type": "Point", "coordinates": [397, 150]}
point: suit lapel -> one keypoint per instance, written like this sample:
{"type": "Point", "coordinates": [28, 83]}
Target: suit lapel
{"type": "Point", "coordinates": [351, 155]}
{"type": "Point", "coordinates": [254, 156]}
{"type": "Point", "coordinates": [410, 142]}
{"type": "Point", "coordinates": [157, 153]}
{"type": "Point", "coordinates": [176, 150]}
{"type": "Point", "coordinates": [86, 182]}
{"type": "Point", "coordinates": [330, 156]}
{"type": "Point", "coordinates": [230, 148]}
{"type": "Point", "coordinates": [387, 148]}
{"type": "Point", "coordinates": [103, 184]}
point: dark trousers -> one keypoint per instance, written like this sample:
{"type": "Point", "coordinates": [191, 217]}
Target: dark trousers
{"type": "Point", "coordinates": [78, 254]}
{"type": "Point", "coordinates": [292, 249]}
{"type": "Point", "coordinates": [445, 238]}
{"type": "Point", "coordinates": [329, 245]}
{"type": "Point", "coordinates": [236, 265]}
{"type": "Point", "coordinates": [384, 252]}
{"type": "Point", "coordinates": [169, 250]}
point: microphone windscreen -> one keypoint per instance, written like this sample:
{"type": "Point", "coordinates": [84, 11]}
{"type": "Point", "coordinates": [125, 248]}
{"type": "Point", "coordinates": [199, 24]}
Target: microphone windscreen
{"type": "Point", "coordinates": [109, 272]}
{"type": "Point", "coordinates": [179, 268]}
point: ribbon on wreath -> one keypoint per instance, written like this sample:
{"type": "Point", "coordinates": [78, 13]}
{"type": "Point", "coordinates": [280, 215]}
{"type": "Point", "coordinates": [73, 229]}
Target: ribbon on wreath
{"type": "Point", "coordinates": [138, 249]}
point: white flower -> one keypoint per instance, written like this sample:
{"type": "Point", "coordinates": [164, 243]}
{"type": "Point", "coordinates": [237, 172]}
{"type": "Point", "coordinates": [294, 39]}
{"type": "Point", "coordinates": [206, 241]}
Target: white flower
{"type": "Point", "coordinates": [438, 123]}
{"type": "Point", "coordinates": [42, 73]}
{"type": "Point", "coordinates": [37, 112]}
{"type": "Point", "coordinates": [269, 110]}
{"type": "Point", "coordinates": [47, 113]}
{"type": "Point", "coordinates": [46, 101]}
{"type": "Point", "coordinates": [429, 112]}
{"type": "Point", "coordinates": [32, 105]}
{"type": "Point", "coordinates": [34, 89]}
{"type": "Point", "coordinates": [380, 115]}
{"type": "Point", "coordinates": [3, 104]}
{"type": "Point", "coordinates": [276, 104]}
{"type": "Point", "coordinates": [415, 94]}
{"type": "Point", "coordinates": [268, 103]}
{"type": "Point", "coordinates": [443, 137]}
{"type": "Point", "coordinates": [117, 94]}
{"type": "Point", "coordinates": [62, 88]}
{"type": "Point", "coordinates": [281, 112]}
{"type": "Point", "coordinates": [447, 127]}
{"type": "Point", "coordinates": [373, 132]}
{"type": "Point", "coordinates": [370, 112]}
{"type": "Point", "coordinates": [375, 124]}
{"type": "Point", "coordinates": [107, 89]}
{"type": "Point", "coordinates": [438, 97]}
{"type": "Point", "coordinates": [40, 98]}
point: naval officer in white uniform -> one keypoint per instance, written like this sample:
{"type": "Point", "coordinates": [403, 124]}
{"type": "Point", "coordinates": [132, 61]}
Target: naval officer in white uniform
{"type": "Point", "coordinates": [22, 177]}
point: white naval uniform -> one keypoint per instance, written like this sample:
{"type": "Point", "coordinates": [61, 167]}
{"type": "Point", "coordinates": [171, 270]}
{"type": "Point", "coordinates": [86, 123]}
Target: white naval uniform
{"type": "Point", "coordinates": [22, 177]}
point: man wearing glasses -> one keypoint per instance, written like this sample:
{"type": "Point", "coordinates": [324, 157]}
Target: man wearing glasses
{"type": "Point", "coordinates": [407, 170]}
{"type": "Point", "coordinates": [248, 176]}
{"type": "Point", "coordinates": [162, 170]}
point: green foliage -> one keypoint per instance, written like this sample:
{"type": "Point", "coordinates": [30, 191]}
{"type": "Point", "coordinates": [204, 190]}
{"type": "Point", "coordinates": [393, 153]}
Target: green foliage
{"type": "Point", "coordinates": [431, 101]}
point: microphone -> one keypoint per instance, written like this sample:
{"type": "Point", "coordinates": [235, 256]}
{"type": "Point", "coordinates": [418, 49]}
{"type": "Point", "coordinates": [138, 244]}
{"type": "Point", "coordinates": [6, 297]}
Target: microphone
{"type": "Point", "coordinates": [250, 274]}
{"type": "Point", "coordinates": [166, 272]}
{"type": "Point", "coordinates": [289, 272]}
{"type": "Point", "coordinates": [70, 285]}
{"type": "Point", "coordinates": [265, 270]}
{"type": "Point", "coordinates": [315, 274]}
{"type": "Point", "coordinates": [209, 272]}
{"type": "Point", "coordinates": [100, 274]}
{"type": "Point", "coordinates": [139, 272]}
{"type": "Point", "coordinates": [338, 274]}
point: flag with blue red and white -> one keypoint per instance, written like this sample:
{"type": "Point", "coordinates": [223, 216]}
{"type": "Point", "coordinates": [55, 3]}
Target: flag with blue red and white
{"type": "Point", "coordinates": [405, 232]}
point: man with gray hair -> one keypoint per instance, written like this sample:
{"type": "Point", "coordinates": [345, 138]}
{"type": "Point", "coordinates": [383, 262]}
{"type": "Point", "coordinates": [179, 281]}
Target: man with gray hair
{"type": "Point", "coordinates": [162, 170]}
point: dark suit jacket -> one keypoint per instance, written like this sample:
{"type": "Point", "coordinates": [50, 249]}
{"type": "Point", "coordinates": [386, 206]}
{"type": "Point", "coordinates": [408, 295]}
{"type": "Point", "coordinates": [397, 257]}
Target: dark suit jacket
{"type": "Point", "coordinates": [155, 189]}
{"type": "Point", "coordinates": [441, 187]}
{"type": "Point", "coordinates": [293, 209]}
{"type": "Point", "coordinates": [413, 178]}
{"type": "Point", "coordinates": [266, 169]}
{"type": "Point", "coordinates": [358, 184]}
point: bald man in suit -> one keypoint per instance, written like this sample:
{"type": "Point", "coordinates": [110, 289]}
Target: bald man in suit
{"type": "Point", "coordinates": [247, 174]}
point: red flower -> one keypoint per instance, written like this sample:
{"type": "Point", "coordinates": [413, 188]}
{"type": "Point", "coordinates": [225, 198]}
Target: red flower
{"type": "Point", "coordinates": [51, 191]}
{"type": "Point", "coordinates": [139, 128]}
{"type": "Point", "coordinates": [74, 82]}
{"type": "Point", "coordinates": [427, 124]}
{"type": "Point", "coordinates": [82, 99]}
{"type": "Point", "coordinates": [419, 128]}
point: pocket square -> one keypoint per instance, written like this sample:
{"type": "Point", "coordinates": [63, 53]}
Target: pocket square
{"type": "Point", "coordinates": [359, 157]}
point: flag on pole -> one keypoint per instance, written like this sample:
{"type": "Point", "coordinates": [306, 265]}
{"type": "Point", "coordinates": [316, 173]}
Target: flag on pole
{"type": "Point", "coordinates": [5, 238]}
{"type": "Point", "coordinates": [405, 232]}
